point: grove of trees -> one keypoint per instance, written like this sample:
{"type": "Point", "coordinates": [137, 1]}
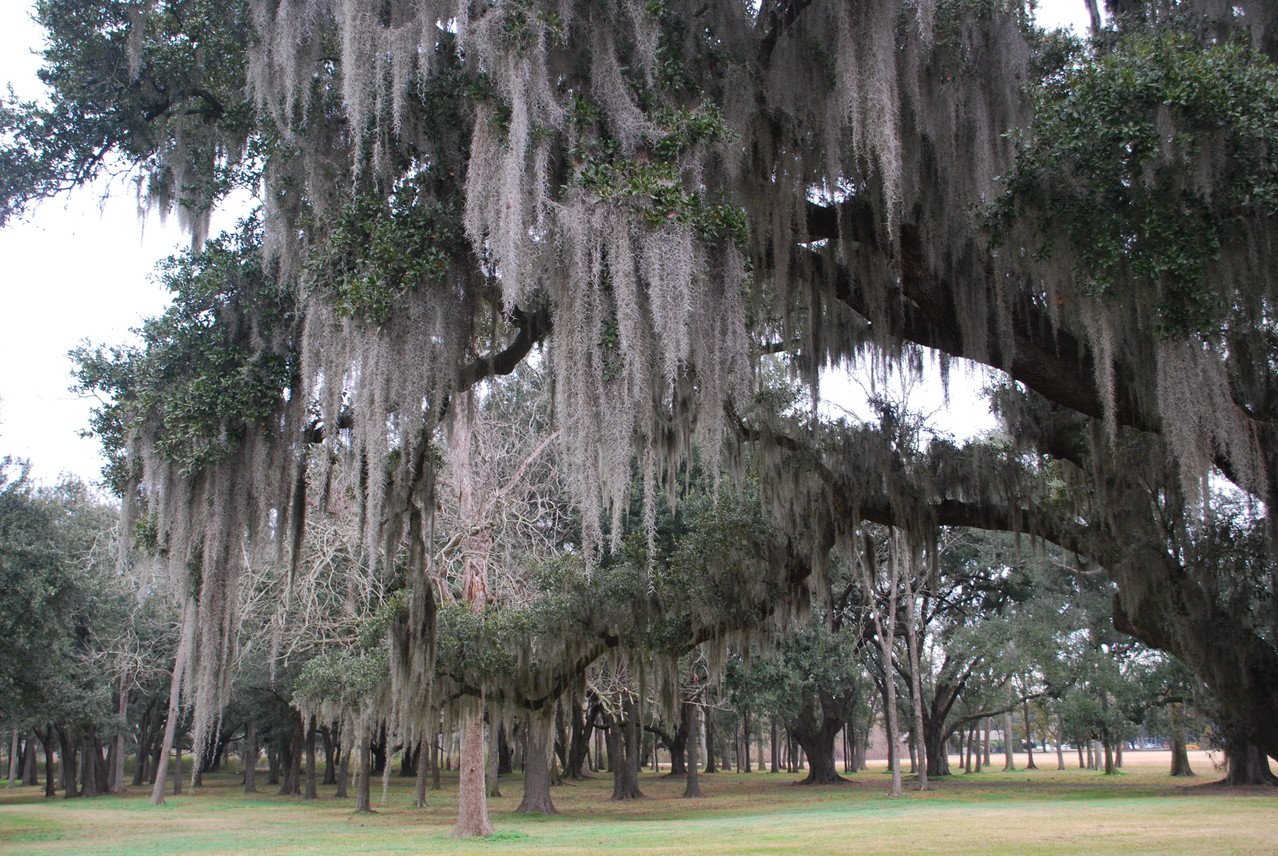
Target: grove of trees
{"type": "Point", "coordinates": [497, 419]}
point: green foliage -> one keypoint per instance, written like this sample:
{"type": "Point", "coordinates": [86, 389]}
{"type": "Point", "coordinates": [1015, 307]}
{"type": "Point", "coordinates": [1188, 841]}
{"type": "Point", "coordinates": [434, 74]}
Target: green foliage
{"type": "Point", "coordinates": [1145, 159]}
{"type": "Point", "coordinates": [381, 249]}
{"type": "Point", "coordinates": [133, 94]}
{"type": "Point", "coordinates": [214, 364]}
{"type": "Point", "coordinates": [650, 181]}
{"type": "Point", "coordinates": [60, 601]}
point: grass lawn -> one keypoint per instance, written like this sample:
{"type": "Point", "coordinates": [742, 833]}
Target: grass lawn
{"type": "Point", "coordinates": [1142, 810]}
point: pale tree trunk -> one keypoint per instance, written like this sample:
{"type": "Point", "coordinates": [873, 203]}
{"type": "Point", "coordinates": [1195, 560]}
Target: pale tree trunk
{"type": "Point", "coordinates": [1029, 734]}
{"type": "Point", "coordinates": [1060, 753]}
{"type": "Point", "coordinates": [312, 775]}
{"type": "Point", "coordinates": [537, 751]}
{"type": "Point", "coordinates": [472, 805]}
{"type": "Point", "coordinates": [117, 767]}
{"type": "Point", "coordinates": [175, 696]}
{"type": "Point", "coordinates": [693, 786]}
{"type": "Point", "coordinates": [912, 644]}
{"type": "Point", "coordinates": [1009, 760]}
{"type": "Point", "coordinates": [363, 785]}
{"type": "Point", "coordinates": [985, 750]}
{"type": "Point", "coordinates": [886, 631]}
{"type": "Point", "coordinates": [472, 798]}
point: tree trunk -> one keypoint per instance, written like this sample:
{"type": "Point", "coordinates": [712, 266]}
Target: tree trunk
{"type": "Point", "coordinates": [423, 769]}
{"type": "Point", "coordinates": [692, 715]}
{"type": "Point", "coordinates": [291, 757]}
{"type": "Point", "coordinates": [916, 681]}
{"type": "Point", "coordinates": [177, 778]}
{"type": "Point", "coordinates": [1248, 764]}
{"type": "Point", "coordinates": [14, 749]}
{"type": "Point", "coordinates": [1110, 769]}
{"type": "Point", "coordinates": [745, 741]}
{"type": "Point", "coordinates": [709, 721]}
{"type": "Point", "coordinates": [175, 694]}
{"type": "Point", "coordinates": [494, 788]}
{"type": "Point", "coordinates": [47, 740]}
{"type": "Point", "coordinates": [122, 711]}
{"type": "Point", "coordinates": [1180, 755]}
{"type": "Point", "coordinates": [330, 756]}
{"type": "Point", "coordinates": [815, 728]}
{"type": "Point", "coordinates": [344, 766]}
{"type": "Point", "coordinates": [472, 800]}
{"type": "Point", "coordinates": [1029, 735]}
{"type": "Point", "coordinates": [434, 760]}
{"type": "Point", "coordinates": [623, 752]}
{"type": "Point", "coordinates": [70, 759]}
{"type": "Point", "coordinates": [986, 744]}
{"type": "Point", "coordinates": [1009, 760]}
{"type": "Point", "coordinates": [363, 802]}
{"type": "Point", "coordinates": [312, 774]}
{"type": "Point", "coordinates": [250, 757]}
{"type": "Point", "coordinates": [29, 762]}
{"type": "Point", "coordinates": [537, 749]}
{"type": "Point", "coordinates": [776, 749]}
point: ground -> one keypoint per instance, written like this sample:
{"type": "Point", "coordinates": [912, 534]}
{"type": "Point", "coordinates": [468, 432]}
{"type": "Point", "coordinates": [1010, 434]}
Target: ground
{"type": "Point", "coordinates": [1143, 810]}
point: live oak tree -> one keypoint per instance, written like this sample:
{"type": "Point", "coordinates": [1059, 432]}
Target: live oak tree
{"type": "Point", "coordinates": [656, 192]}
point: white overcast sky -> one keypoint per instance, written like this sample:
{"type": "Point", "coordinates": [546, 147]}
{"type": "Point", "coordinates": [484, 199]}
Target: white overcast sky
{"type": "Point", "coordinates": [79, 268]}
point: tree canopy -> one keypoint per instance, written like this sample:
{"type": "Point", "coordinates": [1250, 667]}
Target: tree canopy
{"type": "Point", "coordinates": [660, 203]}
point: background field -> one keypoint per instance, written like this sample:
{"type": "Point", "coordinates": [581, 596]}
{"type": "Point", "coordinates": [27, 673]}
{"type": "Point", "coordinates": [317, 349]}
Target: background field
{"type": "Point", "coordinates": [1142, 810]}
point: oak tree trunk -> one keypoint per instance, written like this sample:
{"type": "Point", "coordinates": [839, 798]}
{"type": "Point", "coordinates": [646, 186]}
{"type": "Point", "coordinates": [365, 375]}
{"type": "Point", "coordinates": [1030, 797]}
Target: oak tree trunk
{"type": "Point", "coordinates": [537, 749]}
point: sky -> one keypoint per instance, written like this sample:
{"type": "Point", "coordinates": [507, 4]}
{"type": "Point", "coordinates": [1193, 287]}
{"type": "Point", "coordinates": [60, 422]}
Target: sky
{"type": "Point", "coordinates": [79, 268]}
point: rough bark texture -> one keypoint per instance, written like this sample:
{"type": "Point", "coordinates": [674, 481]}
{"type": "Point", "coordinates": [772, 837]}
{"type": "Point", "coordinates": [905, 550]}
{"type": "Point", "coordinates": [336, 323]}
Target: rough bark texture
{"type": "Point", "coordinates": [815, 733]}
{"type": "Point", "coordinates": [472, 799]}
{"type": "Point", "coordinates": [363, 802]}
{"type": "Point", "coordinates": [537, 749]}
{"type": "Point", "coordinates": [1248, 764]}
{"type": "Point", "coordinates": [623, 752]}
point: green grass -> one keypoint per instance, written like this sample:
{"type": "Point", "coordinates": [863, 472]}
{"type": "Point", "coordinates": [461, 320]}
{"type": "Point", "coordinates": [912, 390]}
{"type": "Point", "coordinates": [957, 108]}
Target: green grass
{"type": "Point", "coordinates": [1035, 812]}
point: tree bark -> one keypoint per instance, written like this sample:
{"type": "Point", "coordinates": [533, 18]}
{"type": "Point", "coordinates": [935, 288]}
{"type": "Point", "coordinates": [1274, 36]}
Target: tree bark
{"type": "Point", "coordinates": [1180, 755]}
{"type": "Point", "coordinates": [312, 774]}
{"type": "Point", "coordinates": [537, 749]}
{"type": "Point", "coordinates": [70, 759]}
{"type": "Point", "coordinates": [1029, 735]}
{"type": "Point", "coordinates": [14, 748]}
{"type": "Point", "coordinates": [692, 715]}
{"type": "Point", "coordinates": [50, 787]}
{"type": "Point", "coordinates": [363, 801]}
{"type": "Point", "coordinates": [250, 757]}
{"type": "Point", "coordinates": [916, 682]}
{"type": "Point", "coordinates": [29, 762]}
{"type": "Point", "coordinates": [1248, 764]}
{"type": "Point", "coordinates": [494, 788]}
{"type": "Point", "coordinates": [175, 694]}
{"type": "Point", "coordinates": [1009, 760]}
{"type": "Point", "coordinates": [472, 799]}
{"type": "Point", "coordinates": [423, 769]}
{"type": "Point", "coordinates": [709, 721]}
{"type": "Point", "coordinates": [776, 749]}
{"type": "Point", "coordinates": [344, 766]}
